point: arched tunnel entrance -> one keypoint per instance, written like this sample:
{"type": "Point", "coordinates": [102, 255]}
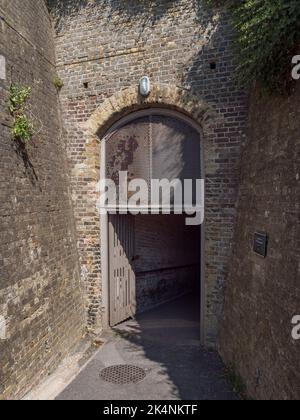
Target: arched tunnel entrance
{"type": "Point", "coordinates": [152, 252]}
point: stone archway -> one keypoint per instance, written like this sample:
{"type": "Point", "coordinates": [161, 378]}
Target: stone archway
{"type": "Point", "coordinates": [111, 111]}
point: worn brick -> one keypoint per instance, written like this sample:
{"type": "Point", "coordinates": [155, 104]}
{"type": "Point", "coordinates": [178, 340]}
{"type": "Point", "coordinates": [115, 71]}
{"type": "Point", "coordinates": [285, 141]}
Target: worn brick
{"type": "Point", "coordinates": [262, 295]}
{"type": "Point", "coordinates": [40, 293]}
{"type": "Point", "coordinates": [103, 49]}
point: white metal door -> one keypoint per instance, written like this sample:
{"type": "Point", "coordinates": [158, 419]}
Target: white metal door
{"type": "Point", "coordinates": [121, 271]}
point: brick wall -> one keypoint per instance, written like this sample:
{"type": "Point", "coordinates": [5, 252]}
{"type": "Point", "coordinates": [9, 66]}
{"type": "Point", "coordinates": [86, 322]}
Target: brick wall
{"type": "Point", "coordinates": [102, 49]}
{"type": "Point", "coordinates": [168, 261]}
{"type": "Point", "coordinates": [263, 295]}
{"type": "Point", "coordinates": [40, 297]}
{"type": "Point", "coordinates": [105, 47]}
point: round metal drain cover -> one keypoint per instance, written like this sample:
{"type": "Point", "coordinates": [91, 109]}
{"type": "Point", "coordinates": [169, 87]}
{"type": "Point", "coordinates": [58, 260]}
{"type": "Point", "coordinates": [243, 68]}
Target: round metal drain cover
{"type": "Point", "coordinates": [123, 374]}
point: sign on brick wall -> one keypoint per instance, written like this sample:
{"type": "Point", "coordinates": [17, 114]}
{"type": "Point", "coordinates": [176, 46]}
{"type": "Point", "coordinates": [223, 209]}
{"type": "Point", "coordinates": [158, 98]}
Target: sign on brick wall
{"type": "Point", "coordinates": [260, 245]}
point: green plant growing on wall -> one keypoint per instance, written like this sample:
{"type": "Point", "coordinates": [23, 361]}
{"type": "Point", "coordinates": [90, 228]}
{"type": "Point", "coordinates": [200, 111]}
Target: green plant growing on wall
{"type": "Point", "coordinates": [58, 82]}
{"type": "Point", "coordinates": [268, 38]}
{"type": "Point", "coordinates": [236, 382]}
{"type": "Point", "coordinates": [18, 106]}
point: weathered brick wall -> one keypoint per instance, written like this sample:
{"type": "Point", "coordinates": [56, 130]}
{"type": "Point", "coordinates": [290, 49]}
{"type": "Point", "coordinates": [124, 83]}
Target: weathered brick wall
{"type": "Point", "coordinates": [40, 297]}
{"type": "Point", "coordinates": [263, 295]}
{"type": "Point", "coordinates": [168, 258]}
{"type": "Point", "coordinates": [104, 47]}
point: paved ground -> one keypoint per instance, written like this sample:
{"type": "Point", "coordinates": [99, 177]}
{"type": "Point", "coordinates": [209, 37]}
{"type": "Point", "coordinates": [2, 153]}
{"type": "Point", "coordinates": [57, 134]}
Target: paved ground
{"type": "Point", "coordinates": [164, 342]}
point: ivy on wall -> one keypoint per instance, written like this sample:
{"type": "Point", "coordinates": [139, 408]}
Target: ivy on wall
{"type": "Point", "coordinates": [268, 36]}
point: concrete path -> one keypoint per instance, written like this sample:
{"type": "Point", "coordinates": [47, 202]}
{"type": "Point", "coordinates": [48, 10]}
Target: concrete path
{"type": "Point", "coordinates": [164, 342]}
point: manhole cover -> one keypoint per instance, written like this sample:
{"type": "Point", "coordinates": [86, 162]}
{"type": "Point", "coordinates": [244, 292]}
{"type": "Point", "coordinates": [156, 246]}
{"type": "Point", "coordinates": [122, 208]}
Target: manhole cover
{"type": "Point", "coordinates": [123, 374]}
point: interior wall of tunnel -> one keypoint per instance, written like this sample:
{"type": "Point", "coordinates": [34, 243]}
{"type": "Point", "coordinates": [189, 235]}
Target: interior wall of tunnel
{"type": "Point", "coordinates": [168, 254]}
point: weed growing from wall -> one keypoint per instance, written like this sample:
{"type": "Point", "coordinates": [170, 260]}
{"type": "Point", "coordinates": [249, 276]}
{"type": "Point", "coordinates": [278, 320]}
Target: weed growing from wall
{"type": "Point", "coordinates": [58, 83]}
{"type": "Point", "coordinates": [18, 106]}
{"type": "Point", "coordinates": [236, 382]}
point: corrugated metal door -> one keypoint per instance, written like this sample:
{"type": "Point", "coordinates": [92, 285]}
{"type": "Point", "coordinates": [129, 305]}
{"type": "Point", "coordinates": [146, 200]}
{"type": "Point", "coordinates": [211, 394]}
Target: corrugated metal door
{"type": "Point", "coordinates": [176, 152]}
{"type": "Point", "coordinates": [128, 149]}
{"type": "Point", "coordinates": [154, 147]}
{"type": "Point", "coordinates": [122, 276]}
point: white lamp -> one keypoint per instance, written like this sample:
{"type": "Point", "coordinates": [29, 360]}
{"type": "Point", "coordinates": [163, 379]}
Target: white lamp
{"type": "Point", "coordinates": [145, 86]}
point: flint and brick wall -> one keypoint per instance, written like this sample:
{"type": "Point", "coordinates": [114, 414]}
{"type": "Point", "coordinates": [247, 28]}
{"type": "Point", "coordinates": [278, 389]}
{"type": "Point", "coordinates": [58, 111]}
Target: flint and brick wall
{"type": "Point", "coordinates": [41, 310]}
{"type": "Point", "coordinates": [103, 48]}
{"type": "Point", "coordinates": [168, 259]}
{"type": "Point", "coordinates": [263, 295]}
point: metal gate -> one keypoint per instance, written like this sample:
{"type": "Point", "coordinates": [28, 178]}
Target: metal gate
{"type": "Point", "coordinates": [122, 276]}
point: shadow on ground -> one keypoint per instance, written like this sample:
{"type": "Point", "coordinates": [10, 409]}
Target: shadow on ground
{"type": "Point", "coordinates": [165, 342]}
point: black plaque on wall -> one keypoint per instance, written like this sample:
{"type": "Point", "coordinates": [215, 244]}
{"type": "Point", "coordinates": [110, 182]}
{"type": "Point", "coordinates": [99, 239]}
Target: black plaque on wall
{"type": "Point", "coordinates": [260, 245]}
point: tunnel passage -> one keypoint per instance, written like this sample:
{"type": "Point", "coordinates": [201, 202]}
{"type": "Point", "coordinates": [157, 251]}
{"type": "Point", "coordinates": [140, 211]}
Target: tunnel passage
{"type": "Point", "coordinates": [167, 261]}
{"type": "Point", "coordinates": [153, 258]}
